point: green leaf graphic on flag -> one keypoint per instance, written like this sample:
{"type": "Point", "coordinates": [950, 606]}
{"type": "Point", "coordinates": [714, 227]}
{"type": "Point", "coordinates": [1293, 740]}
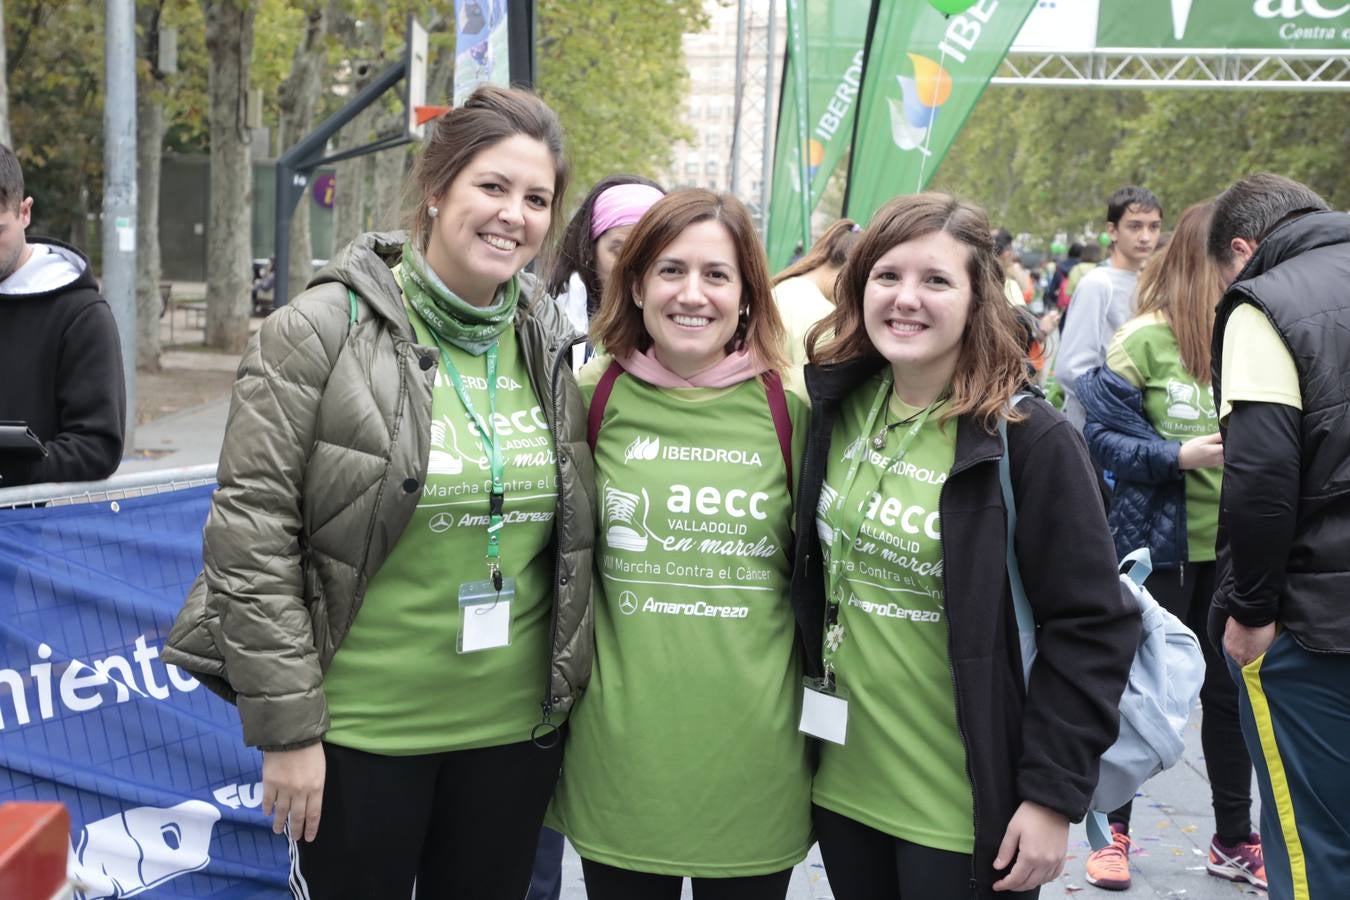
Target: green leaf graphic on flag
{"type": "Point", "coordinates": [924, 73]}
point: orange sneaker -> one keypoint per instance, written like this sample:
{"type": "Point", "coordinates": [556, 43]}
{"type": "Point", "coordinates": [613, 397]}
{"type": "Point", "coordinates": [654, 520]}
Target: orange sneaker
{"type": "Point", "coordinates": [1109, 867]}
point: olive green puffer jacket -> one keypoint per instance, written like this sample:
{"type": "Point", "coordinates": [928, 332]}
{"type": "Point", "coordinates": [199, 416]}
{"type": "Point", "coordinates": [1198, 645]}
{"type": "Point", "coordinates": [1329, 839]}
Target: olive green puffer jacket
{"type": "Point", "coordinates": [324, 459]}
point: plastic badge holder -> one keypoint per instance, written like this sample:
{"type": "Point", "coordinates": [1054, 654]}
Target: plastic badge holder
{"type": "Point", "coordinates": [824, 711]}
{"type": "Point", "coordinates": [485, 615]}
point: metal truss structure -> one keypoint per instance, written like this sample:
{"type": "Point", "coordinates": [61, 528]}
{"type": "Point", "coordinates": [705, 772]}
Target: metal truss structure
{"type": "Point", "coordinates": [756, 103]}
{"type": "Point", "coordinates": [1286, 70]}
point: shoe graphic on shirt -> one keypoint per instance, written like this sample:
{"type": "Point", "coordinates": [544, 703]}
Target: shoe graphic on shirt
{"type": "Point", "coordinates": [1182, 402]}
{"type": "Point", "coordinates": [446, 457]}
{"type": "Point", "coordinates": [621, 510]}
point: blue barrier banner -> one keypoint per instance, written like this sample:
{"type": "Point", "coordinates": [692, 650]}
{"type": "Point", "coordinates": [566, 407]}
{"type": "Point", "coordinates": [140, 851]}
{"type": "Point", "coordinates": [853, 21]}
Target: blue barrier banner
{"type": "Point", "coordinates": [163, 795]}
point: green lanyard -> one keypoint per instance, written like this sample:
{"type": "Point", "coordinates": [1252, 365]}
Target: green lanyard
{"type": "Point", "coordinates": [491, 446]}
{"type": "Point", "coordinates": [841, 538]}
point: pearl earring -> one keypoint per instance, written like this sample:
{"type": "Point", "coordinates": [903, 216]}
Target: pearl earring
{"type": "Point", "coordinates": [433, 211]}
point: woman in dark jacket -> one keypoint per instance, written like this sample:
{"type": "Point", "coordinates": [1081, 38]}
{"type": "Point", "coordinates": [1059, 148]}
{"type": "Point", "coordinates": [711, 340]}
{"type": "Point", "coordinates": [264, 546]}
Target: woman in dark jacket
{"type": "Point", "coordinates": [1151, 422]}
{"type": "Point", "coordinates": [952, 780]}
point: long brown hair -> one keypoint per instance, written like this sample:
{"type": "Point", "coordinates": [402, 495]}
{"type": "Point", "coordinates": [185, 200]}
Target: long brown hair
{"type": "Point", "coordinates": [618, 326]}
{"type": "Point", "coordinates": [1183, 284]}
{"type": "Point", "coordinates": [991, 366]}
{"type": "Point", "coordinates": [830, 249]}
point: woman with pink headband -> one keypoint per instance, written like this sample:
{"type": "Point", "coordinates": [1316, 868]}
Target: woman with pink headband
{"type": "Point", "coordinates": [592, 241]}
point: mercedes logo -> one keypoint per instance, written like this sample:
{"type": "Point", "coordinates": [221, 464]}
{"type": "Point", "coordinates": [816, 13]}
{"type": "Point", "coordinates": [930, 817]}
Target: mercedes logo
{"type": "Point", "coordinates": [440, 522]}
{"type": "Point", "coordinates": [628, 603]}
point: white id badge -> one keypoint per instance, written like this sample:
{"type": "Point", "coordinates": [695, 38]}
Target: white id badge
{"type": "Point", "coordinates": [824, 711]}
{"type": "Point", "coordinates": [485, 615]}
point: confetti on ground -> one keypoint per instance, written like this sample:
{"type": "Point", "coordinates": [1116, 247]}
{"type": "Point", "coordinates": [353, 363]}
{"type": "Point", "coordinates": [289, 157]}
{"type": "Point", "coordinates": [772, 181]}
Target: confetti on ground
{"type": "Point", "coordinates": [1189, 828]}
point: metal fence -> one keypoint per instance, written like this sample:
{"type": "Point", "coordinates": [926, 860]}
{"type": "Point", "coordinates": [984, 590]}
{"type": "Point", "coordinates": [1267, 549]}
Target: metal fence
{"type": "Point", "coordinates": [119, 487]}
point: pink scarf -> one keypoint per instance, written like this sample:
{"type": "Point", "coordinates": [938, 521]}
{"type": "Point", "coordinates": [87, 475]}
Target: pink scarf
{"type": "Point", "coordinates": [737, 367]}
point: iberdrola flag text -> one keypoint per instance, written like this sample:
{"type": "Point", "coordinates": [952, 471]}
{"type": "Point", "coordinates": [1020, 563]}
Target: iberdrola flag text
{"type": "Point", "coordinates": [923, 74]}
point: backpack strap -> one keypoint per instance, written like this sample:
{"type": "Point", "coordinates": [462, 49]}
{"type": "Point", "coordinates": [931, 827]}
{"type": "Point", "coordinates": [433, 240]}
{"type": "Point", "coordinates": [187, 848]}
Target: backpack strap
{"type": "Point", "coordinates": [596, 413]}
{"type": "Point", "coordinates": [773, 389]}
{"type": "Point", "coordinates": [782, 422]}
{"type": "Point", "coordinates": [1098, 828]}
{"type": "Point", "coordinates": [1026, 622]}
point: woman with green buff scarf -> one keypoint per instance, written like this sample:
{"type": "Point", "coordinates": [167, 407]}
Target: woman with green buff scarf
{"type": "Point", "coordinates": [398, 558]}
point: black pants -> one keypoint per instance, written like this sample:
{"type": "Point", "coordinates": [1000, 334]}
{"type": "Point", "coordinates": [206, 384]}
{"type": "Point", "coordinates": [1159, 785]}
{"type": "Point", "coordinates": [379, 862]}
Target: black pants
{"type": "Point", "coordinates": [1226, 761]}
{"type": "Point", "coordinates": [546, 874]}
{"type": "Point", "coordinates": [463, 824]}
{"type": "Point", "coordinates": [612, 883]}
{"type": "Point", "coordinates": [865, 864]}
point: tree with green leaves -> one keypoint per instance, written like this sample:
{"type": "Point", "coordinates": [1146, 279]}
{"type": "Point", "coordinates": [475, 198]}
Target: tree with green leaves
{"type": "Point", "coordinates": [1044, 160]}
{"type": "Point", "coordinates": [615, 73]}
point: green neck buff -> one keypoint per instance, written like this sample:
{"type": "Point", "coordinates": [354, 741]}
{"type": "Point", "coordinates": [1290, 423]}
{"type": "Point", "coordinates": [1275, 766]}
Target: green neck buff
{"type": "Point", "coordinates": [472, 329]}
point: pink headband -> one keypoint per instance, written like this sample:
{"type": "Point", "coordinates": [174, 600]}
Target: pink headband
{"type": "Point", "coordinates": [621, 205]}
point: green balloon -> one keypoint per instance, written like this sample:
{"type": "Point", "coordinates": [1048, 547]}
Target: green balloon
{"type": "Point", "coordinates": [952, 7]}
{"type": "Point", "coordinates": [1057, 248]}
{"type": "Point", "coordinates": [1104, 239]}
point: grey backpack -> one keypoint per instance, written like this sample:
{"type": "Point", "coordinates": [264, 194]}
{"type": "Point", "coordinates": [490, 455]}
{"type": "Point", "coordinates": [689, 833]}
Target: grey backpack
{"type": "Point", "coordinates": [1164, 683]}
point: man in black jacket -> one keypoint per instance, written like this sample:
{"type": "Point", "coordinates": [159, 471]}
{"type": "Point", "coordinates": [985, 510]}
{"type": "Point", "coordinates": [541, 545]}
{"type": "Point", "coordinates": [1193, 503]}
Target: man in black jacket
{"type": "Point", "coordinates": [60, 360]}
{"type": "Point", "coordinates": [1281, 357]}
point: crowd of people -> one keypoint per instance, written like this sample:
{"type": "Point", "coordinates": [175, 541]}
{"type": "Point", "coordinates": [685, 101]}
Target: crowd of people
{"type": "Point", "coordinates": [698, 565]}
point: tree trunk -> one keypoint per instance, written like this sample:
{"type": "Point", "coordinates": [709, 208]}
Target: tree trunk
{"type": "Point", "coordinates": [386, 187]}
{"type": "Point", "coordinates": [5, 137]}
{"type": "Point", "coordinates": [149, 141]}
{"type": "Point", "coordinates": [229, 44]}
{"type": "Point", "coordinates": [349, 206]}
{"type": "Point", "coordinates": [298, 97]}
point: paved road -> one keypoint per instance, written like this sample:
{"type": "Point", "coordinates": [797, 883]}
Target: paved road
{"type": "Point", "coordinates": [1172, 825]}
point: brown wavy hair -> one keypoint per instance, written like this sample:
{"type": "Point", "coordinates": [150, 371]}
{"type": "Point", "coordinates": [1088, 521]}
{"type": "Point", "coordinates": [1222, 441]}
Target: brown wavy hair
{"type": "Point", "coordinates": [1182, 282]}
{"type": "Point", "coordinates": [618, 326]}
{"type": "Point", "coordinates": [830, 249]}
{"type": "Point", "coordinates": [992, 364]}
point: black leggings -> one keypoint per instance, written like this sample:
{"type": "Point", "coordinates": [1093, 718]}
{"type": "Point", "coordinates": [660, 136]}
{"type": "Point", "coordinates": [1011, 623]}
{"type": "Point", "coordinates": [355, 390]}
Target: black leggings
{"type": "Point", "coordinates": [1226, 761]}
{"type": "Point", "coordinates": [612, 883]}
{"type": "Point", "coordinates": [865, 864]}
{"type": "Point", "coordinates": [462, 824]}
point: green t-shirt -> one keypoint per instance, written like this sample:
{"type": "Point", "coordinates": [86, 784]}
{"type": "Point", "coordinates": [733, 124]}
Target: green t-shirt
{"type": "Point", "coordinates": [1144, 352]}
{"type": "Point", "coordinates": [683, 757]}
{"type": "Point", "coordinates": [398, 685]}
{"type": "Point", "coordinates": [902, 769]}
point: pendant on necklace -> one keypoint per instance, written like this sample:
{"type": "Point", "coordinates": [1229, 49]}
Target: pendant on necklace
{"type": "Point", "coordinates": [879, 441]}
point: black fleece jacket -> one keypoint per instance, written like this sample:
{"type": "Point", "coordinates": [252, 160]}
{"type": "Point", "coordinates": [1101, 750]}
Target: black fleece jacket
{"type": "Point", "coordinates": [61, 372]}
{"type": "Point", "coordinates": [1041, 744]}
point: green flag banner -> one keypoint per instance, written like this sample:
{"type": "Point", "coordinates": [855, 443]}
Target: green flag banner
{"type": "Point", "coordinates": [817, 123]}
{"type": "Point", "coordinates": [924, 73]}
{"type": "Point", "coordinates": [1249, 24]}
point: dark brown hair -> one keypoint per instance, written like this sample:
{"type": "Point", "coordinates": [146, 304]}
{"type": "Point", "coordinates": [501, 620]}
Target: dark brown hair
{"type": "Point", "coordinates": [618, 326]}
{"type": "Point", "coordinates": [1182, 282]}
{"type": "Point", "coordinates": [489, 116]}
{"type": "Point", "coordinates": [991, 367]}
{"type": "Point", "coordinates": [1253, 208]}
{"type": "Point", "coordinates": [576, 253]}
{"type": "Point", "coordinates": [830, 249]}
{"type": "Point", "coordinates": [11, 180]}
